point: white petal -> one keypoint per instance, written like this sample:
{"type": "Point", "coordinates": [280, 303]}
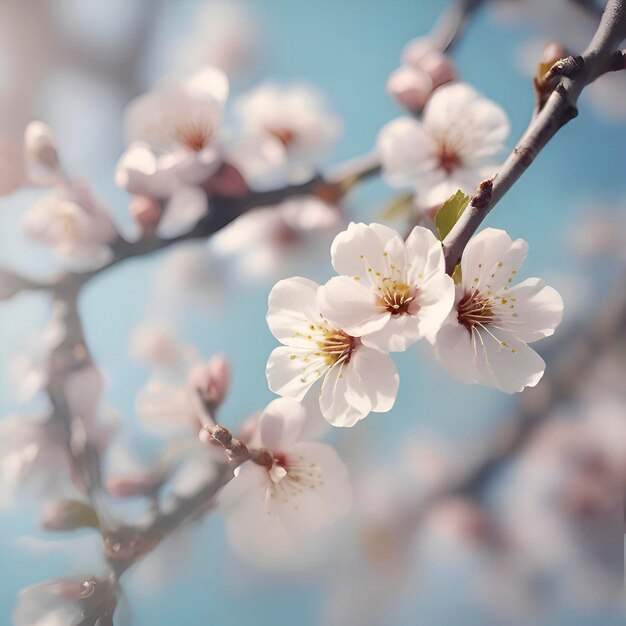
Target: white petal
{"type": "Point", "coordinates": [352, 306]}
{"type": "Point", "coordinates": [397, 335]}
{"type": "Point", "coordinates": [293, 377]}
{"type": "Point", "coordinates": [510, 367]}
{"type": "Point", "coordinates": [425, 255]}
{"type": "Point", "coordinates": [455, 350]}
{"type": "Point", "coordinates": [379, 377]}
{"type": "Point", "coordinates": [340, 405]}
{"type": "Point", "coordinates": [491, 259]}
{"type": "Point", "coordinates": [539, 310]}
{"type": "Point", "coordinates": [209, 82]}
{"type": "Point", "coordinates": [281, 423]}
{"type": "Point", "coordinates": [292, 307]}
{"type": "Point", "coordinates": [406, 151]}
{"type": "Point", "coordinates": [434, 300]}
{"type": "Point", "coordinates": [325, 494]}
{"type": "Point", "coordinates": [138, 172]}
{"type": "Point", "coordinates": [186, 206]}
{"type": "Point", "coordinates": [362, 250]}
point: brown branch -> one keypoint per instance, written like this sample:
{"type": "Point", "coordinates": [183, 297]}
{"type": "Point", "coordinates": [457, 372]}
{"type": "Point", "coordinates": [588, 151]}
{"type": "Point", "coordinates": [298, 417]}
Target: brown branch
{"type": "Point", "coordinates": [601, 55]}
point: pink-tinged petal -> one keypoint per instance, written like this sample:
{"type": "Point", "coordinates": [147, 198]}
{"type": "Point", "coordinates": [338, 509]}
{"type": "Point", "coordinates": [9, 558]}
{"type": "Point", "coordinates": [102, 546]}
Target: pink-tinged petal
{"type": "Point", "coordinates": [507, 363]}
{"type": "Point", "coordinates": [352, 306]}
{"type": "Point", "coordinates": [454, 348]}
{"type": "Point", "coordinates": [491, 259]}
{"type": "Point", "coordinates": [280, 424]}
{"type": "Point", "coordinates": [478, 125]}
{"type": "Point", "coordinates": [406, 151]}
{"type": "Point", "coordinates": [325, 495]}
{"type": "Point", "coordinates": [291, 371]}
{"type": "Point", "coordinates": [425, 255]}
{"type": "Point", "coordinates": [359, 251]}
{"type": "Point", "coordinates": [138, 172]}
{"type": "Point", "coordinates": [434, 301]}
{"type": "Point", "coordinates": [379, 377]}
{"type": "Point", "coordinates": [209, 82]}
{"type": "Point", "coordinates": [186, 206]}
{"type": "Point", "coordinates": [400, 332]}
{"type": "Point", "coordinates": [337, 401]}
{"type": "Point", "coordinates": [292, 307]}
{"type": "Point", "coordinates": [531, 310]}
{"type": "Point", "coordinates": [249, 478]}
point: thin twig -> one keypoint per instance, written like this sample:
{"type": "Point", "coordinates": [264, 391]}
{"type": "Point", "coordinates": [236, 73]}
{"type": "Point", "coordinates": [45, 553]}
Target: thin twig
{"type": "Point", "coordinates": [575, 73]}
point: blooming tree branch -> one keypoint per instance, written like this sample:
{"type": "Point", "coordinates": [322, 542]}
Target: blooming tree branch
{"type": "Point", "coordinates": [575, 73]}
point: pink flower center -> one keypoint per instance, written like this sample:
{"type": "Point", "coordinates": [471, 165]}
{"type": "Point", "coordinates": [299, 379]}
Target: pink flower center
{"type": "Point", "coordinates": [474, 309]}
{"type": "Point", "coordinates": [449, 159]}
{"type": "Point", "coordinates": [286, 136]}
{"type": "Point", "coordinates": [396, 297]}
{"type": "Point", "coordinates": [195, 135]}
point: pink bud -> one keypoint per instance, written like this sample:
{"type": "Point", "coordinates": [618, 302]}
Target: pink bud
{"type": "Point", "coordinates": [129, 486]}
{"type": "Point", "coordinates": [416, 50]}
{"type": "Point", "coordinates": [410, 87]}
{"type": "Point", "coordinates": [553, 52]}
{"type": "Point", "coordinates": [146, 212]}
{"type": "Point", "coordinates": [439, 68]}
{"type": "Point", "coordinates": [212, 379]}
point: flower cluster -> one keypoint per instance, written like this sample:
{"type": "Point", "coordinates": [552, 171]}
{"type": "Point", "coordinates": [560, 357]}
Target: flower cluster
{"type": "Point", "coordinates": [389, 294]}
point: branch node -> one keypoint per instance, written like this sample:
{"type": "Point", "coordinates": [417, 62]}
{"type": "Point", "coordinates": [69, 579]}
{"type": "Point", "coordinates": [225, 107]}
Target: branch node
{"type": "Point", "coordinates": [567, 67]}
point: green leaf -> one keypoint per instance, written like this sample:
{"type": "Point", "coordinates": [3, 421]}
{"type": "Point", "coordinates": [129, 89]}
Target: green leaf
{"type": "Point", "coordinates": [399, 207]}
{"type": "Point", "coordinates": [449, 213]}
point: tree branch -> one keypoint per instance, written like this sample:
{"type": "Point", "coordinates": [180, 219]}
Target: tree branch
{"type": "Point", "coordinates": [601, 55]}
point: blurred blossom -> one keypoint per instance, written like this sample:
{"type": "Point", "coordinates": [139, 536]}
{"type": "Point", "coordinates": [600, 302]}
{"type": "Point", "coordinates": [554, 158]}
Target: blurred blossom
{"type": "Point", "coordinates": [174, 134]}
{"type": "Point", "coordinates": [73, 224]}
{"type": "Point", "coordinates": [303, 487]}
{"type": "Point", "coordinates": [84, 390]}
{"type": "Point", "coordinates": [33, 457]}
{"type": "Point", "coordinates": [486, 337]}
{"type": "Point", "coordinates": [157, 343]}
{"type": "Point", "coordinates": [189, 277]}
{"type": "Point", "coordinates": [269, 240]}
{"type": "Point", "coordinates": [211, 380]}
{"type": "Point", "coordinates": [42, 155]}
{"type": "Point", "coordinates": [225, 34]}
{"type": "Point", "coordinates": [598, 233]}
{"type": "Point", "coordinates": [30, 367]}
{"type": "Point", "coordinates": [454, 146]}
{"type": "Point", "coordinates": [288, 129]}
{"type": "Point", "coordinates": [66, 601]}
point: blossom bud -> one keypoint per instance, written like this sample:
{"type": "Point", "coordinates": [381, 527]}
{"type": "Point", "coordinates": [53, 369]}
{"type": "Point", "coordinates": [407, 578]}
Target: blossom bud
{"type": "Point", "coordinates": [416, 51]}
{"type": "Point", "coordinates": [439, 68]}
{"type": "Point", "coordinates": [146, 212]}
{"type": "Point", "coordinates": [64, 515]}
{"type": "Point", "coordinates": [40, 146]}
{"type": "Point", "coordinates": [212, 379]}
{"type": "Point", "coordinates": [410, 87]}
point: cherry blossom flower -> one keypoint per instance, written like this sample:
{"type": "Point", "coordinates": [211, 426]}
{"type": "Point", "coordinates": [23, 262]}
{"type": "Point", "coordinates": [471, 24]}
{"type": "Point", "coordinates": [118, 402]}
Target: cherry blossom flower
{"type": "Point", "coordinates": [303, 487]}
{"type": "Point", "coordinates": [174, 146]}
{"type": "Point", "coordinates": [41, 153]}
{"type": "Point", "coordinates": [390, 293]}
{"type": "Point", "coordinates": [73, 224]}
{"type": "Point", "coordinates": [288, 129]}
{"type": "Point", "coordinates": [86, 600]}
{"type": "Point", "coordinates": [452, 148]}
{"type": "Point", "coordinates": [355, 378]}
{"type": "Point", "coordinates": [485, 337]}
{"type": "Point", "coordinates": [270, 239]}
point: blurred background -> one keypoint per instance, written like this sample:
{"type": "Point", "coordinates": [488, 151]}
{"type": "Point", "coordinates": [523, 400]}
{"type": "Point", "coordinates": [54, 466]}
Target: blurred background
{"type": "Point", "coordinates": [470, 504]}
